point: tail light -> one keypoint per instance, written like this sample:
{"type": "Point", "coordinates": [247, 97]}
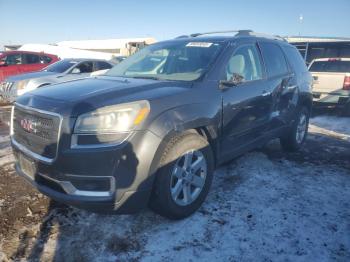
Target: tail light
{"type": "Point", "coordinates": [346, 85]}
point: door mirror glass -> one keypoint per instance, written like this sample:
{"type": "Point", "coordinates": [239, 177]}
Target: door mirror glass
{"type": "Point", "coordinates": [3, 63]}
{"type": "Point", "coordinates": [75, 71]}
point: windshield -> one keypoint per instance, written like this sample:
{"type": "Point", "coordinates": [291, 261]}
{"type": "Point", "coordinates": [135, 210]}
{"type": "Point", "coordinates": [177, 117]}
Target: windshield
{"type": "Point", "coordinates": [185, 61]}
{"type": "Point", "coordinates": [60, 66]}
{"type": "Point", "coordinates": [336, 66]}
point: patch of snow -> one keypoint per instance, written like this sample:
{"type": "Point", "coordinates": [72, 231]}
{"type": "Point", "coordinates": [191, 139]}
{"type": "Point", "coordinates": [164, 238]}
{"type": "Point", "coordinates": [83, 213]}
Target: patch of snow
{"type": "Point", "coordinates": [4, 139]}
{"type": "Point", "coordinates": [257, 209]}
{"type": "Point", "coordinates": [334, 123]}
{"type": "Point", "coordinates": [6, 156]}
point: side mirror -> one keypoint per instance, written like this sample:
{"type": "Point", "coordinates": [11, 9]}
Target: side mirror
{"type": "Point", "coordinates": [225, 84]}
{"type": "Point", "coordinates": [3, 63]}
{"type": "Point", "coordinates": [235, 80]}
{"type": "Point", "coordinates": [75, 71]}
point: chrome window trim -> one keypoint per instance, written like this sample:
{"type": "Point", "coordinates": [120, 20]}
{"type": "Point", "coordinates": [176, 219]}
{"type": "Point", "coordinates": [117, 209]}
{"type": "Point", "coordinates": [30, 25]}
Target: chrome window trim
{"type": "Point", "coordinates": [23, 148]}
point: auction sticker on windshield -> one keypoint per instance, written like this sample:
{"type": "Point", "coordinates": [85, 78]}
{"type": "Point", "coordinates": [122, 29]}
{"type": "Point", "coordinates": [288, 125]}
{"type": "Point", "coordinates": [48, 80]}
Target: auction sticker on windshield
{"type": "Point", "coordinates": [199, 44]}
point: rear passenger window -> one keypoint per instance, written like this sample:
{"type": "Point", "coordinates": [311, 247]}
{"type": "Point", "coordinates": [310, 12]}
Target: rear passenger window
{"type": "Point", "coordinates": [295, 59]}
{"type": "Point", "coordinates": [244, 63]}
{"type": "Point", "coordinates": [45, 60]}
{"type": "Point", "coordinates": [31, 59]}
{"type": "Point", "coordinates": [274, 59]}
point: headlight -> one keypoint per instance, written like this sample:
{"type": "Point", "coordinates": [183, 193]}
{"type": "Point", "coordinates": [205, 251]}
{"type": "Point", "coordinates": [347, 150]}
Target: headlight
{"type": "Point", "coordinates": [113, 119]}
{"type": "Point", "coordinates": [21, 84]}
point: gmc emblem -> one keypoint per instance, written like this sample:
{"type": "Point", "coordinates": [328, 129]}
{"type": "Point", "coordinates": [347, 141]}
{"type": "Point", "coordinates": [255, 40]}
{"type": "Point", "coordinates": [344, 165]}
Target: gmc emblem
{"type": "Point", "coordinates": [28, 125]}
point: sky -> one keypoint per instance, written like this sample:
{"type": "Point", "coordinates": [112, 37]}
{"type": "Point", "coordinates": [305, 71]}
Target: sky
{"type": "Point", "coordinates": [44, 21]}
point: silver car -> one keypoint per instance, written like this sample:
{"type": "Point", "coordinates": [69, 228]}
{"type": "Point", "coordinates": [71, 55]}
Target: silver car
{"type": "Point", "coordinates": [61, 71]}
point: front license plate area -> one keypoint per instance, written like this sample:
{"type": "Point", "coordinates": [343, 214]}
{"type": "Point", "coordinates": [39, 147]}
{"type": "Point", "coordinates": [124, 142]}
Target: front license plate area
{"type": "Point", "coordinates": [27, 166]}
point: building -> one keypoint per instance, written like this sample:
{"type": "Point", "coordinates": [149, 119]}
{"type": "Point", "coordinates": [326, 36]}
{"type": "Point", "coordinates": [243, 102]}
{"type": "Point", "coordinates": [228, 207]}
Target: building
{"type": "Point", "coordinates": [320, 47]}
{"type": "Point", "coordinates": [117, 47]}
{"type": "Point", "coordinates": [101, 49]}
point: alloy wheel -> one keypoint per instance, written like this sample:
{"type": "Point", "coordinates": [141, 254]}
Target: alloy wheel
{"type": "Point", "coordinates": [188, 177]}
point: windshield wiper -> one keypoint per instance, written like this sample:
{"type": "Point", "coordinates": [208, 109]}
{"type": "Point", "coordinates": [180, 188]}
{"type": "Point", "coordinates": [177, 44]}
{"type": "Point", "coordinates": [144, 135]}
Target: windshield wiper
{"type": "Point", "coordinates": [146, 77]}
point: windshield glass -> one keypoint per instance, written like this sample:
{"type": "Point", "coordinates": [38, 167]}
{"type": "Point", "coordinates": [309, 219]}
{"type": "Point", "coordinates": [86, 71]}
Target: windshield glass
{"type": "Point", "coordinates": [60, 66]}
{"type": "Point", "coordinates": [336, 66]}
{"type": "Point", "coordinates": [185, 61]}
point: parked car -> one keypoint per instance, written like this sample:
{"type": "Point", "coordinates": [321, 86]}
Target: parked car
{"type": "Point", "coordinates": [123, 141]}
{"type": "Point", "coordinates": [61, 71]}
{"type": "Point", "coordinates": [19, 62]}
{"type": "Point", "coordinates": [331, 87]}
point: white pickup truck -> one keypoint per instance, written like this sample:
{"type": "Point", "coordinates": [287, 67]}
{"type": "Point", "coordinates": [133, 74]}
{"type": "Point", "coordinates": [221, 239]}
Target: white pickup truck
{"type": "Point", "coordinates": [331, 85]}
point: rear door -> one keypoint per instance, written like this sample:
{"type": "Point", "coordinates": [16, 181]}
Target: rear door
{"type": "Point", "coordinates": [282, 85]}
{"type": "Point", "coordinates": [246, 106]}
{"type": "Point", "coordinates": [32, 62]}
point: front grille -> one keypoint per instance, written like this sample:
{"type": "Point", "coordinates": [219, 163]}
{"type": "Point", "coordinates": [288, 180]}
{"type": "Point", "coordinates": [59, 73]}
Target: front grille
{"type": "Point", "coordinates": [8, 91]}
{"type": "Point", "coordinates": [37, 131]}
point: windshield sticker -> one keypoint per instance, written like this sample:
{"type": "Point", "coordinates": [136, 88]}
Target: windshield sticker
{"type": "Point", "coordinates": [199, 44]}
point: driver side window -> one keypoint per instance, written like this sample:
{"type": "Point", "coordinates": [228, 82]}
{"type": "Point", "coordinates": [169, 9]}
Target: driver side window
{"type": "Point", "coordinates": [244, 65]}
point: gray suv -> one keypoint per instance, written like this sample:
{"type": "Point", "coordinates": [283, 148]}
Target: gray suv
{"type": "Point", "coordinates": [151, 131]}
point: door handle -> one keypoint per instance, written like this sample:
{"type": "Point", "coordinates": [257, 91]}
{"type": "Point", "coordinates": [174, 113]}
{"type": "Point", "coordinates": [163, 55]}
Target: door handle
{"type": "Point", "coordinates": [290, 87]}
{"type": "Point", "coordinates": [265, 93]}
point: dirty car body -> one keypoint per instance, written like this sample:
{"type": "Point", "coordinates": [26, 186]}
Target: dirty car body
{"type": "Point", "coordinates": [61, 152]}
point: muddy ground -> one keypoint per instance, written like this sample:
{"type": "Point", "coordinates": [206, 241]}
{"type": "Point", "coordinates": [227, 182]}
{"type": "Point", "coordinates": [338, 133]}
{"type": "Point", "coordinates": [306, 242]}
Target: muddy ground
{"type": "Point", "coordinates": [305, 225]}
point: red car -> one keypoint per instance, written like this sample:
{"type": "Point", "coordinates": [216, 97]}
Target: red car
{"type": "Point", "coordinates": [18, 62]}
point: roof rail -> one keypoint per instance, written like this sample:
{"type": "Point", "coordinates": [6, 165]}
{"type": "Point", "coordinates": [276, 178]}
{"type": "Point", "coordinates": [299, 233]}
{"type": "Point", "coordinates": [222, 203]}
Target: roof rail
{"type": "Point", "coordinates": [245, 32]}
{"type": "Point", "coordinates": [275, 37]}
{"type": "Point", "coordinates": [220, 32]}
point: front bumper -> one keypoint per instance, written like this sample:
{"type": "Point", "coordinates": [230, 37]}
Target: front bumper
{"type": "Point", "coordinates": [107, 179]}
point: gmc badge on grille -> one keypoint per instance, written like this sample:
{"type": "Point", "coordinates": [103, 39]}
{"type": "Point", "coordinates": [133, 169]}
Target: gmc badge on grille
{"type": "Point", "coordinates": [28, 125]}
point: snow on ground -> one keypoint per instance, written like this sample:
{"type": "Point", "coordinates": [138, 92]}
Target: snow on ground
{"type": "Point", "coordinates": [337, 126]}
{"type": "Point", "coordinates": [258, 209]}
{"type": "Point", "coordinates": [6, 156]}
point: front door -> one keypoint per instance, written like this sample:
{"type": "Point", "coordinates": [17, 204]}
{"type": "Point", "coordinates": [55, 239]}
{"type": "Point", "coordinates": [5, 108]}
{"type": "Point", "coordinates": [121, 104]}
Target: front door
{"type": "Point", "coordinates": [246, 105]}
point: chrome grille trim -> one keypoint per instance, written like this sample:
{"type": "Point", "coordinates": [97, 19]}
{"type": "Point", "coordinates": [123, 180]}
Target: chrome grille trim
{"type": "Point", "coordinates": [23, 148]}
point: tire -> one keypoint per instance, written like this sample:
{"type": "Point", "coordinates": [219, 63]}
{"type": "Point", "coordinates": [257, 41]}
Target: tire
{"type": "Point", "coordinates": [170, 197]}
{"type": "Point", "coordinates": [293, 139]}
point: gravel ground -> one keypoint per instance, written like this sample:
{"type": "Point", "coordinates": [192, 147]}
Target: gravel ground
{"type": "Point", "coordinates": [267, 205]}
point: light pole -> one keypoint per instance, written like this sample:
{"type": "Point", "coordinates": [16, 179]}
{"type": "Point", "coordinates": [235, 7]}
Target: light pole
{"type": "Point", "coordinates": [301, 18]}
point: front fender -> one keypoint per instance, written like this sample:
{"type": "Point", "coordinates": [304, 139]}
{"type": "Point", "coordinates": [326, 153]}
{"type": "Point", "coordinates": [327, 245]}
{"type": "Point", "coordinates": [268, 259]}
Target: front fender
{"type": "Point", "coordinates": [185, 117]}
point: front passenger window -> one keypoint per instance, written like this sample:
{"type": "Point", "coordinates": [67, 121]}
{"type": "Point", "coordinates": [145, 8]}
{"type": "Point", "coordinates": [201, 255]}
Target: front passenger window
{"type": "Point", "coordinates": [15, 59]}
{"type": "Point", "coordinates": [85, 67]}
{"type": "Point", "coordinates": [244, 65]}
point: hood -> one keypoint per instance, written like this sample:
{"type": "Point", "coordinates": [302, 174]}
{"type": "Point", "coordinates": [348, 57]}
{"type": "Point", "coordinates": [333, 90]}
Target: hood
{"type": "Point", "coordinates": [98, 92]}
{"type": "Point", "coordinates": [30, 76]}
